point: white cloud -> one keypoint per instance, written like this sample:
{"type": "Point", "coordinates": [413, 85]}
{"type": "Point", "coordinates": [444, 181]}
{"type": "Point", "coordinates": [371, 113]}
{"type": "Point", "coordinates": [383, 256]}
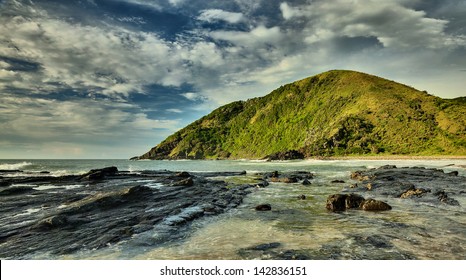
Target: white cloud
{"type": "Point", "coordinates": [176, 2]}
{"type": "Point", "coordinates": [220, 15]}
{"type": "Point", "coordinates": [174, 110]}
{"type": "Point", "coordinates": [394, 25]}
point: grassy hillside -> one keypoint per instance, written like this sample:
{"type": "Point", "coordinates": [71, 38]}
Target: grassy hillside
{"type": "Point", "coordinates": [336, 113]}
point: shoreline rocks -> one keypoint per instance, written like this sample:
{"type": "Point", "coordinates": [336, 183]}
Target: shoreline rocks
{"type": "Point", "coordinates": [343, 202]}
{"type": "Point", "coordinates": [106, 206]}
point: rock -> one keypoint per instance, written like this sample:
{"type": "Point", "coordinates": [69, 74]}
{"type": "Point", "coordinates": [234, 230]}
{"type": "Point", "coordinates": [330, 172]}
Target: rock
{"type": "Point", "coordinates": [16, 190]}
{"type": "Point", "coordinates": [453, 173]}
{"type": "Point", "coordinates": [263, 207]}
{"type": "Point", "coordinates": [262, 184]}
{"type": "Point", "coordinates": [375, 205]}
{"type": "Point", "coordinates": [337, 182]}
{"type": "Point", "coordinates": [353, 186]}
{"type": "Point", "coordinates": [44, 172]}
{"type": "Point", "coordinates": [443, 197]}
{"type": "Point", "coordinates": [388, 166]}
{"type": "Point", "coordinates": [336, 202]}
{"type": "Point", "coordinates": [358, 175]}
{"type": "Point", "coordinates": [353, 201]}
{"type": "Point", "coordinates": [50, 223]}
{"type": "Point", "coordinates": [185, 182]}
{"type": "Point", "coordinates": [302, 197]}
{"type": "Point", "coordinates": [341, 202]}
{"type": "Point", "coordinates": [413, 192]}
{"type": "Point", "coordinates": [287, 180]}
{"type": "Point", "coordinates": [306, 182]}
{"type": "Point", "coordinates": [99, 174]}
{"type": "Point", "coordinates": [10, 171]}
{"type": "Point", "coordinates": [183, 174]}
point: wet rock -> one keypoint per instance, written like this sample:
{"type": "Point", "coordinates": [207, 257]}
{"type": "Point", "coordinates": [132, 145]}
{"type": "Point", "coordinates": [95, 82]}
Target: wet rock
{"type": "Point", "coordinates": [353, 201]}
{"type": "Point", "coordinates": [302, 197]}
{"type": "Point", "coordinates": [99, 174]}
{"type": "Point", "coordinates": [375, 205]}
{"type": "Point", "coordinates": [306, 182]}
{"type": "Point", "coordinates": [443, 197]}
{"type": "Point", "coordinates": [262, 184]}
{"type": "Point", "coordinates": [418, 183]}
{"type": "Point", "coordinates": [263, 207]}
{"type": "Point", "coordinates": [120, 206]}
{"type": "Point", "coordinates": [453, 173]}
{"type": "Point", "coordinates": [185, 182]}
{"type": "Point", "coordinates": [16, 190]}
{"type": "Point", "coordinates": [183, 174]}
{"type": "Point", "coordinates": [358, 175]}
{"type": "Point", "coordinates": [341, 202]}
{"type": "Point", "coordinates": [51, 223]}
{"type": "Point", "coordinates": [337, 182]}
{"type": "Point", "coordinates": [414, 192]}
{"type": "Point", "coordinates": [287, 180]}
{"type": "Point", "coordinates": [10, 171]}
{"type": "Point", "coordinates": [266, 246]}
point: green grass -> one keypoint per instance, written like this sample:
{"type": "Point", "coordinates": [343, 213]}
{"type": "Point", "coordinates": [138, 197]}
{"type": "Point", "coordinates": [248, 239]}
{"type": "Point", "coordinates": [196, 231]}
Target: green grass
{"type": "Point", "coordinates": [336, 113]}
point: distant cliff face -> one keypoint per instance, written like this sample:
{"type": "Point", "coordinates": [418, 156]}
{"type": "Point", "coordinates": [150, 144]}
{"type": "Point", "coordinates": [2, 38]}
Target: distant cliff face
{"type": "Point", "coordinates": [335, 113]}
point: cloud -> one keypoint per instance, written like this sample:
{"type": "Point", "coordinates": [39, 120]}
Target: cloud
{"type": "Point", "coordinates": [220, 15]}
{"type": "Point", "coordinates": [394, 25]}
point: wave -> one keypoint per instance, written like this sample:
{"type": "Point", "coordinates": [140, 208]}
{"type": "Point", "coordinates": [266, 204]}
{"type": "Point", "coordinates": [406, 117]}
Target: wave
{"type": "Point", "coordinates": [15, 166]}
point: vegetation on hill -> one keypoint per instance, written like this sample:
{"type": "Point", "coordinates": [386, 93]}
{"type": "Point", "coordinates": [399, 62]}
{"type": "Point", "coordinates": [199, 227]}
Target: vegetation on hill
{"type": "Point", "coordinates": [336, 113]}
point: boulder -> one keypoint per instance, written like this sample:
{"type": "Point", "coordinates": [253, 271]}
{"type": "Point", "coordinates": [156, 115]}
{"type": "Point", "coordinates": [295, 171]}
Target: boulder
{"type": "Point", "coordinates": [302, 197]}
{"type": "Point", "coordinates": [353, 201]}
{"type": "Point", "coordinates": [263, 207]}
{"type": "Point", "coordinates": [375, 205]}
{"type": "Point", "coordinates": [336, 202]}
{"type": "Point", "coordinates": [99, 174]}
{"type": "Point", "coordinates": [306, 182]}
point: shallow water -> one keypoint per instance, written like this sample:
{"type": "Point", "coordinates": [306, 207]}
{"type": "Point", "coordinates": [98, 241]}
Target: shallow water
{"type": "Point", "coordinates": [294, 227]}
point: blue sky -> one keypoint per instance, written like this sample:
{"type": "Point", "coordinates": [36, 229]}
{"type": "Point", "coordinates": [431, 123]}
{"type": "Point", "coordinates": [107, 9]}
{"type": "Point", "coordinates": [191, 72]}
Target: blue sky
{"type": "Point", "coordinates": [113, 78]}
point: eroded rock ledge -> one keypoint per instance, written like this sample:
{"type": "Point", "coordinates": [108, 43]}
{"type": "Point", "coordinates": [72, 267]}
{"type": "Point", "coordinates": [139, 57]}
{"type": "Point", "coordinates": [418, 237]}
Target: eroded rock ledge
{"type": "Point", "coordinates": [62, 215]}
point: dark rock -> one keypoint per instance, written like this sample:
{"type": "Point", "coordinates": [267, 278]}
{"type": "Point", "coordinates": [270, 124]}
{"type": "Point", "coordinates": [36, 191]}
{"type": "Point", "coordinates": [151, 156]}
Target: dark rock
{"type": "Point", "coordinates": [16, 190]}
{"type": "Point", "coordinates": [183, 174]}
{"type": "Point", "coordinates": [341, 202]}
{"type": "Point", "coordinates": [44, 172]}
{"type": "Point", "coordinates": [453, 173]}
{"type": "Point", "coordinates": [99, 174]}
{"type": "Point", "coordinates": [185, 182]}
{"type": "Point", "coordinates": [263, 207]}
{"type": "Point", "coordinates": [443, 197]}
{"type": "Point", "coordinates": [337, 182]}
{"type": "Point", "coordinates": [51, 223]}
{"type": "Point", "coordinates": [302, 197]}
{"type": "Point", "coordinates": [265, 247]}
{"type": "Point", "coordinates": [336, 202]}
{"type": "Point", "coordinates": [375, 205]}
{"type": "Point", "coordinates": [262, 184]}
{"type": "Point", "coordinates": [388, 166]}
{"type": "Point", "coordinates": [306, 182]}
{"type": "Point", "coordinates": [353, 201]}
{"type": "Point", "coordinates": [10, 171]}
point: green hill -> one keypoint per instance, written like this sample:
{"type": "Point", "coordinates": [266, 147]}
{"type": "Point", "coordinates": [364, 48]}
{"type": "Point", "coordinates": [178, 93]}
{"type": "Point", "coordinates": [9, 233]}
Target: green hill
{"type": "Point", "coordinates": [336, 113]}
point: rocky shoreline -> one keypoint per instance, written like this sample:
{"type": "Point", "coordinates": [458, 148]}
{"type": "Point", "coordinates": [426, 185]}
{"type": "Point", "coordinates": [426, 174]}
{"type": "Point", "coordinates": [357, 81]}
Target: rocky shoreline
{"type": "Point", "coordinates": [62, 215]}
{"type": "Point", "coordinates": [44, 216]}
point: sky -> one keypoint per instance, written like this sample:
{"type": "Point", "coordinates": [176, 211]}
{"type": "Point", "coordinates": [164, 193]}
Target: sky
{"type": "Point", "coordinates": [113, 78]}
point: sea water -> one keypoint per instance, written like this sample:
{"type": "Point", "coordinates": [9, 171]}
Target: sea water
{"type": "Point", "coordinates": [410, 230]}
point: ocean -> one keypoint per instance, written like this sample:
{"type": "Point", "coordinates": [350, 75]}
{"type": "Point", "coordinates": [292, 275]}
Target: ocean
{"type": "Point", "coordinates": [410, 230]}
